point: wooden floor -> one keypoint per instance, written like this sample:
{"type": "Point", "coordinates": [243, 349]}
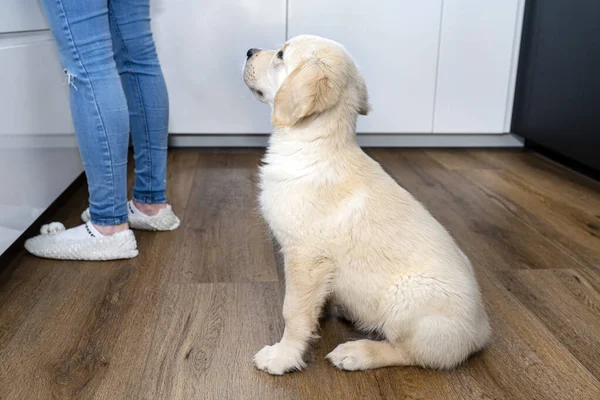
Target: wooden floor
{"type": "Point", "coordinates": [183, 320]}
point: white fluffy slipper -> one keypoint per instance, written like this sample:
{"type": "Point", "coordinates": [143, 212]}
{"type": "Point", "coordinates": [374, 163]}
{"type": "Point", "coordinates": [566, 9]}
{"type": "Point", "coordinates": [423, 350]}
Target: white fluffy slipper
{"type": "Point", "coordinates": [81, 243]}
{"type": "Point", "coordinates": [165, 220]}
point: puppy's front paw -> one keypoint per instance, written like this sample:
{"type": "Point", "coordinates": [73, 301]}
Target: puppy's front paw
{"type": "Point", "coordinates": [279, 359]}
{"type": "Point", "coordinates": [349, 356]}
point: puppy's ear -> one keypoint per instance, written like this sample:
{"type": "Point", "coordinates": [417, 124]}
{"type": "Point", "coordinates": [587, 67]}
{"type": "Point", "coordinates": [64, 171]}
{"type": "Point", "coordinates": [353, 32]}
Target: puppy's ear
{"type": "Point", "coordinates": [363, 96]}
{"type": "Point", "coordinates": [310, 89]}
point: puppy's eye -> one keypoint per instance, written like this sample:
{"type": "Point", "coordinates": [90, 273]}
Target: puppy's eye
{"type": "Point", "coordinates": [260, 93]}
{"type": "Point", "coordinates": [280, 55]}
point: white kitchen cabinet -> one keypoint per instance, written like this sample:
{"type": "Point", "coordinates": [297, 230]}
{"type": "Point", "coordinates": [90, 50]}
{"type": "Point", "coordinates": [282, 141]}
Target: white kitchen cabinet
{"type": "Point", "coordinates": [35, 96]}
{"type": "Point", "coordinates": [431, 66]}
{"type": "Point", "coordinates": [395, 44]}
{"type": "Point", "coordinates": [202, 46]}
{"type": "Point", "coordinates": [21, 15]}
{"type": "Point", "coordinates": [477, 65]}
{"type": "Point", "coordinates": [33, 176]}
{"type": "Point", "coordinates": [38, 155]}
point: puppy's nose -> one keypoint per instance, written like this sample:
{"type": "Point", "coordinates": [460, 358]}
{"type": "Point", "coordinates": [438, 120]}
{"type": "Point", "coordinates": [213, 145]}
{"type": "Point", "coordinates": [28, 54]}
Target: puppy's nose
{"type": "Point", "coordinates": [250, 53]}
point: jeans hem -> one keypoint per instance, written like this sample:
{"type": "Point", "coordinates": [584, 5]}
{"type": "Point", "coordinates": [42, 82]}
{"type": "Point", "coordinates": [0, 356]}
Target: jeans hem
{"type": "Point", "coordinates": [109, 221]}
{"type": "Point", "coordinates": [150, 198]}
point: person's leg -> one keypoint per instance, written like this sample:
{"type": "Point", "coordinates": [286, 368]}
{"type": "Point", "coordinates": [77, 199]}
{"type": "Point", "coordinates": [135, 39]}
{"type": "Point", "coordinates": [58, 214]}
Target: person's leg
{"type": "Point", "coordinates": [100, 116]}
{"type": "Point", "coordinates": [98, 104]}
{"type": "Point", "coordinates": [147, 98]}
{"type": "Point", "coordinates": [148, 102]}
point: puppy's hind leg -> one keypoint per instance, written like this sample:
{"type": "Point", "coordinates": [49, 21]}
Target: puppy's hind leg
{"type": "Point", "coordinates": [368, 354]}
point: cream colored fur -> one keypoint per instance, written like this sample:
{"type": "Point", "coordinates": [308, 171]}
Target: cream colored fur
{"type": "Point", "coordinates": [348, 232]}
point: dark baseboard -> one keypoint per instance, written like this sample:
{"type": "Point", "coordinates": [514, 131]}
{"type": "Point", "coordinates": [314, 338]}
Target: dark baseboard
{"type": "Point", "coordinates": [563, 160]}
{"type": "Point", "coordinates": [34, 228]}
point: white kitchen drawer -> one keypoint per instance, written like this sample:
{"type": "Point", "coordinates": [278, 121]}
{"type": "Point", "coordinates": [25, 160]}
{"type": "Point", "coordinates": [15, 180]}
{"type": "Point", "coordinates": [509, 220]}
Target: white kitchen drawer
{"type": "Point", "coordinates": [35, 96]}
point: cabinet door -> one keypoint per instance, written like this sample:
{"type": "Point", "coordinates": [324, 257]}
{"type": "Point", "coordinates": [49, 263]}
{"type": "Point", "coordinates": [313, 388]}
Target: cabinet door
{"type": "Point", "coordinates": [478, 54]}
{"type": "Point", "coordinates": [395, 44]}
{"type": "Point", "coordinates": [202, 46]}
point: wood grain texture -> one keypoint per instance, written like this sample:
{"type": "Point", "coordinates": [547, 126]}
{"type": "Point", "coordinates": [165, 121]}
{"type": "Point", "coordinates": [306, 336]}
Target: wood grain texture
{"type": "Point", "coordinates": [26, 280]}
{"type": "Point", "coordinates": [87, 337]}
{"type": "Point", "coordinates": [205, 338]}
{"type": "Point", "coordinates": [538, 193]}
{"type": "Point", "coordinates": [568, 302]}
{"type": "Point", "coordinates": [184, 319]}
{"type": "Point", "coordinates": [551, 179]}
{"type": "Point", "coordinates": [575, 231]}
{"type": "Point", "coordinates": [474, 217]}
{"type": "Point", "coordinates": [224, 238]}
{"type": "Point", "coordinates": [466, 159]}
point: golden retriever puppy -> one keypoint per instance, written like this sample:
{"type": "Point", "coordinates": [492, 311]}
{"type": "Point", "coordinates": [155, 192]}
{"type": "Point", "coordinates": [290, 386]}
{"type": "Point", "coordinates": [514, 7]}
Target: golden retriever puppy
{"type": "Point", "coordinates": [348, 231]}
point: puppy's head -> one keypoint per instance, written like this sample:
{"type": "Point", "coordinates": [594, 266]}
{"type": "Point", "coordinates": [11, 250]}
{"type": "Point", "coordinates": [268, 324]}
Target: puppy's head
{"type": "Point", "coordinates": [307, 76]}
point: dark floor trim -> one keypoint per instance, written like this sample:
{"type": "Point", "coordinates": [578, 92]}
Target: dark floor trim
{"type": "Point", "coordinates": [34, 228]}
{"type": "Point", "coordinates": [563, 160]}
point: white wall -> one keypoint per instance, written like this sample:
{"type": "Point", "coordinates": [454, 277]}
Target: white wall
{"type": "Point", "coordinates": [38, 154]}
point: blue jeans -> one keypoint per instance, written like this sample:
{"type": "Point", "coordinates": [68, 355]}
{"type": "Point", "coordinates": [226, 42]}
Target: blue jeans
{"type": "Point", "coordinates": [116, 87]}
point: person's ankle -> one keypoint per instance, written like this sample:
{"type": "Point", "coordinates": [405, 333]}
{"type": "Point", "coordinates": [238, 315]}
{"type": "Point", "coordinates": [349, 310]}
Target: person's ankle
{"type": "Point", "coordinates": [149, 209]}
{"type": "Point", "coordinates": [108, 230]}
